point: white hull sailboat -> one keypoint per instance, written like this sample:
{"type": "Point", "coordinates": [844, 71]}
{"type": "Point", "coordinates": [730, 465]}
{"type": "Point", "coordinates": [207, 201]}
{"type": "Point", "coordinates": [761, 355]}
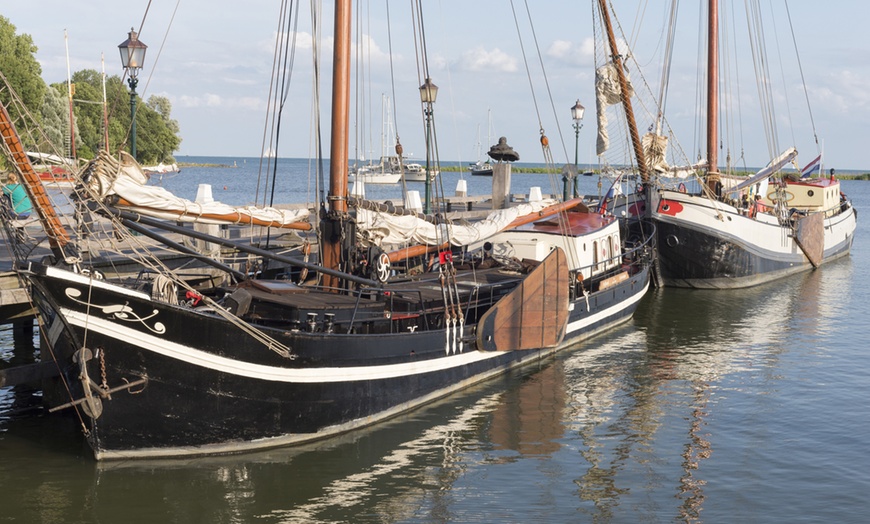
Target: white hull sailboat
{"type": "Point", "coordinates": [719, 235]}
{"type": "Point", "coordinates": [706, 241]}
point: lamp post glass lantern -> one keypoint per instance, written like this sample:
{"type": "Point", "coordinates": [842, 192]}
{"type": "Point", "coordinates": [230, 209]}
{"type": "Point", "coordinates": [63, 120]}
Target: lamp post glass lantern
{"type": "Point", "coordinates": [428, 94]}
{"type": "Point", "coordinates": [577, 115]}
{"type": "Point", "coordinates": [132, 57]}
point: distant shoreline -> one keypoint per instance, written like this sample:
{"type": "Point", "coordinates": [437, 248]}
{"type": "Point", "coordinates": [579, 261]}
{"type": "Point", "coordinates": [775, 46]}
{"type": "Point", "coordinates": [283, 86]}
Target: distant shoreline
{"type": "Point", "coordinates": [196, 164]}
{"type": "Point", "coordinates": [515, 169]}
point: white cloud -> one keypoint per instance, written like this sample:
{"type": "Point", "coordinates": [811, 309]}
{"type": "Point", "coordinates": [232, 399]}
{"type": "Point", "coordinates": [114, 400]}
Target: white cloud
{"type": "Point", "coordinates": [303, 42]}
{"type": "Point", "coordinates": [372, 53]}
{"type": "Point", "coordinates": [571, 52]}
{"type": "Point", "coordinates": [480, 59]}
{"type": "Point", "coordinates": [438, 62]}
{"type": "Point", "coordinates": [211, 100]}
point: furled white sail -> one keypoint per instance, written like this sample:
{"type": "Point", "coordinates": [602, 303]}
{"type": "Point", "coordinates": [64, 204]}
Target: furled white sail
{"type": "Point", "coordinates": [127, 181]}
{"type": "Point", "coordinates": [607, 92]}
{"type": "Point", "coordinates": [655, 148]}
{"type": "Point", "coordinates": [384, 229]}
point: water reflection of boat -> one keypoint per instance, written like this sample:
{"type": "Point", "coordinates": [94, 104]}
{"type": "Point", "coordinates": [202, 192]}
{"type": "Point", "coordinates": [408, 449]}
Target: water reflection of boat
{"type": "Point", "coordinates": [330, 481]}
{"type": "Point", "coordinates": [658, 385]}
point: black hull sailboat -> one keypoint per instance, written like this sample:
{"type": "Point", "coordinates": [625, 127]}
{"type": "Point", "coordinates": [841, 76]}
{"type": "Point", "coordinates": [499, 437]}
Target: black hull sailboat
{"type": "Point", "coordinates": [480, 169]}
{"type": "Point", "coordinates": [161, 380]}
{"type": "Point", "coordinates": [609, 264]}
{"type": "Point", "coordinates": [154, 368]}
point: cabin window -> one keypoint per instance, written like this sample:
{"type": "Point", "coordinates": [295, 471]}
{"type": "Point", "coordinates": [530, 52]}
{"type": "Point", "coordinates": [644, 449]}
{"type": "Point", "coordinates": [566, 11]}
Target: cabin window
{"type": "Point", "coordinates": [595, 252]}
{"type": "Point", "coordinates": [810, 193]}
{"type": "Point", "coordinates": [605, 254]}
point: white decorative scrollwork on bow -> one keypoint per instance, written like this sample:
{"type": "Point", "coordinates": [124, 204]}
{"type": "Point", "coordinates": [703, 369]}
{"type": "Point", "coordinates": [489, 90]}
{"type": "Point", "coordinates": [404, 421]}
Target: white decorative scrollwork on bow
{"type": "Point", "coordinates": [118, 311]}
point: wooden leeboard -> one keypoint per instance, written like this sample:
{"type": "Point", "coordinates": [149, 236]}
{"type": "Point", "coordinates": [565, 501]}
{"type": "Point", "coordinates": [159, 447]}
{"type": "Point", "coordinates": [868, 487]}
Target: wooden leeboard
{"type": "Point", "coordinates": [532, 316]}
{"type": "Point", "coordinates": [810, 237]}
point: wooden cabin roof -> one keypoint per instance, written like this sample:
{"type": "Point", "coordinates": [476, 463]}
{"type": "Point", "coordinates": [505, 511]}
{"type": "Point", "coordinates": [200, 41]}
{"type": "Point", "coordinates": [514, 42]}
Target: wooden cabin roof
{"type": "Point", "coordinates": [578, 223]}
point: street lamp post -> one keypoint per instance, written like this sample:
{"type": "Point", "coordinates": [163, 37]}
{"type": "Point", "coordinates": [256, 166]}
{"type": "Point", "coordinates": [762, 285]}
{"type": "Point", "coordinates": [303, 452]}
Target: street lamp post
{"type": "Point", "coordinates": [428, 94]}
{"type": "Point", "coordinates": [577, 115]}
{"type": "Point", "coordinates": [132, 58]}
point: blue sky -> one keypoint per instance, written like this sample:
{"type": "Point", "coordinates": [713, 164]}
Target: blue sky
{"type": "Point", "coordinates": [213, 61]}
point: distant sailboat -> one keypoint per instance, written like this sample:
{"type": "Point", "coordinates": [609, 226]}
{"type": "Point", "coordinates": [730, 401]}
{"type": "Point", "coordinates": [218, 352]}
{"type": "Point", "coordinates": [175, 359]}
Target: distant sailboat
{"type": "Point", "coordinates": [390, 169]}
{"type": "Point", "coordinates": [482, 167]}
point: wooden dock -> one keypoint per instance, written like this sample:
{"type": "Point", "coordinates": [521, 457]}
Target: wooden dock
{"type": "Point", "coordinates": [14, 299]}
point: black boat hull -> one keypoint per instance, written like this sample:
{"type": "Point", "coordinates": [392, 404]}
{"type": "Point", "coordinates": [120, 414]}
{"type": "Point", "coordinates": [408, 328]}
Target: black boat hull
{"type": "Point", "coordinates": [194, 394]}
{"type": "Point", "coordinates": [712, 246]}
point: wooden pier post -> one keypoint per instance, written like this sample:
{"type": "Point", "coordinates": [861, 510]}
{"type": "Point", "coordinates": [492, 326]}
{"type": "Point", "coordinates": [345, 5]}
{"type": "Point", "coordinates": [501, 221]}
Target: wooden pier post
{"type": "Point", "coordinates": [501, 185]}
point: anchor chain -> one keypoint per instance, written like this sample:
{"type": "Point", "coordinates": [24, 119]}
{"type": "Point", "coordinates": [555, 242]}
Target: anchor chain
{"type": "Point", "coordinates": [93, 405]}
{"type": "Point", "coordinates": [102, 353]}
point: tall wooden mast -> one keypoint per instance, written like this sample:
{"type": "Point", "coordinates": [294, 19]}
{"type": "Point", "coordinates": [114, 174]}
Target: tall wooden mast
{"type": "Point", "coordinates": [334, 222]}
{"type": "Point", "coordinates": [712, 94]}
{"type": "Point", "coordinates": [623, 87]}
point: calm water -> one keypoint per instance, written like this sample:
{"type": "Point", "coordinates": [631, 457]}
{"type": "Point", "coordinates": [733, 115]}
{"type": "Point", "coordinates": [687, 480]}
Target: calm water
{"type": "Point", "coordinates": [243, 178]}
{"type": "Point", "coordinates": [726, 406]}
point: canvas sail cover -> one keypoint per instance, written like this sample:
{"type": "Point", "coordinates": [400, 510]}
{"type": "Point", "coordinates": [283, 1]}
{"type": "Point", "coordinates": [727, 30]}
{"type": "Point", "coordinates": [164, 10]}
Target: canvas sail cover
{"type": "Point", "coordinates": [655, 147]}
{"type": "Point", "coordinates": [377, 228]}
{"type": "Point", "coordinates": [772, 167]}
{"type": "Point", "coordinates": [125, 180]}
{"type": "Point", "coordinates": [607, 92]}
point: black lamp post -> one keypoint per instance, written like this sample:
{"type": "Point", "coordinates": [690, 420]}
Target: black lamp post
{"type": "Point", "coordinates": [132, 58]}
{"type": "Point", "coordinates": [428, 94]}
{"type": "Point", "coordinates": [577, 115]}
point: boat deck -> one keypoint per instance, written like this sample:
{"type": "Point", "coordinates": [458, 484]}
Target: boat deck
{"type": "Point", "coordinates": [290, 305]}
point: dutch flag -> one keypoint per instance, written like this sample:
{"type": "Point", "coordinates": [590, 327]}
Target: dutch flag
{"type": "Point", "coordinates": [812, 167]}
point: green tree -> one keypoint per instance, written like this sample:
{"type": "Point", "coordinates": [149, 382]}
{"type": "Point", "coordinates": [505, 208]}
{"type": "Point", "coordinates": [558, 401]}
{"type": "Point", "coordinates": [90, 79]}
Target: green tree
{"type": "Point", "coordinates": [53, 109]}
{"type": "Point", "coordinates": [166, 139]}
{"type": "Point", "coordinates": [55, 122]}
{"type": "Point", "coordinates": [88, 108]}
{"type": "Point", "coordinates": [18, 64]}
{"type": "Point", "coordinates": [156, 136]}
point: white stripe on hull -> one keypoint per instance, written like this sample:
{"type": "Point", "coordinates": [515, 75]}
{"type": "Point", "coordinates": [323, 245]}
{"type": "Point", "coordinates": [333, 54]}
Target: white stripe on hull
{"type": "Point", "coordinates": [269, 373]}
{"type": "Point", "coordinates": [578, 325]}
